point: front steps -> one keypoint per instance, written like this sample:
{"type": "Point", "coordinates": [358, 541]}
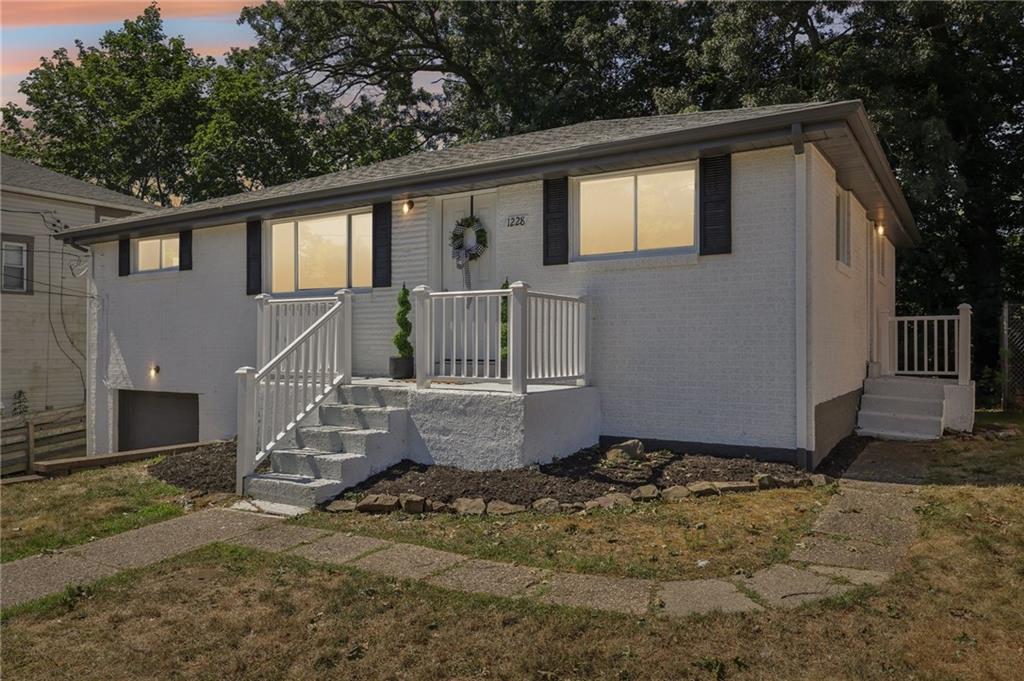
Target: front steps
{"type": "Point", "coordinates": [359, 434]}
{"type": "Point", "coordinates": [900, 408]}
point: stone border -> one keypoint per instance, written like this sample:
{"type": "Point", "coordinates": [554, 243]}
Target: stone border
{"type": "Point", "coordinates": [414, 503]}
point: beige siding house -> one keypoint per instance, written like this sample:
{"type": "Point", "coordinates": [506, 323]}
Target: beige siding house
{"type": "Point", "coordinates": [45, 283]}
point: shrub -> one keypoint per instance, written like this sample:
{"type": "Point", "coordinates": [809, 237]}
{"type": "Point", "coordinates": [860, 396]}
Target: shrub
{"type": "Point", "coordinates": [401, 338]}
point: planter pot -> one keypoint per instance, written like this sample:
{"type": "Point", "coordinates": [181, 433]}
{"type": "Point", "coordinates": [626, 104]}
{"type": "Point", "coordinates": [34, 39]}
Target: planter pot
{"type": "Point", "coordinates": [401, 367]}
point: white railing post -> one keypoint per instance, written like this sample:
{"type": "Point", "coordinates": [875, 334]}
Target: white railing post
{"type": "Point", "coordinates": [344, 297]}
{"type": "Point", "coordinates": [245, 452]}
{"type": "Point", "coordinates": [883, 343]}
{"type": "Point", "coordinates": [584, 332]}
{"type": "Point", "coordinates": [518, 336]}
{"type": "Point", "coordinates": [262, 329]}
{"type": "Point", "coordinates": [423, 329]}
{"type": "Point", "coordinates": [963, 345]}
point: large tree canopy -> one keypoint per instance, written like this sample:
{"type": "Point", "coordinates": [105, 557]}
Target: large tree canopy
{"type": "Point", "coordinates": [332, 85]}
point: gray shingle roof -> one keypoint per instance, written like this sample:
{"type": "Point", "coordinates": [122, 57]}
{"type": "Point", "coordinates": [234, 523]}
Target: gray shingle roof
{"type": "Point", "coordinates": [16, 172]}
{"type": "Point", "coordinates": [516, 147]}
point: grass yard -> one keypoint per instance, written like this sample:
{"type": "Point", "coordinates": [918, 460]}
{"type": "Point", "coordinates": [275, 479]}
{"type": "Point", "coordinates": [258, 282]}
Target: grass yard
{"type": "Point", "coordinates": [736, 533]}
{"type": "Point", "coordinates": [52, 514]}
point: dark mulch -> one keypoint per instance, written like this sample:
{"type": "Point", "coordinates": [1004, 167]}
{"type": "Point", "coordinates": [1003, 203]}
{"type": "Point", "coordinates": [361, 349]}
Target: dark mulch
{"type": "Point", "coordinates": [580, 477]}
{"type": "Point", "coordinates": [206, 469]}
{"type": "Point", "coordinates": [842, 455]}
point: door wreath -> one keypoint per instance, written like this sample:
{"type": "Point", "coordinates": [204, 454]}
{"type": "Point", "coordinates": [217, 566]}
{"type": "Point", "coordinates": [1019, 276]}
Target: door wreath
{"type": "Point", "coordinates": [468, 241]}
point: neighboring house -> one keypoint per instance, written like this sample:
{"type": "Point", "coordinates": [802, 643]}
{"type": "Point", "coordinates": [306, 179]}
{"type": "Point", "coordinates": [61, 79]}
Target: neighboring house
{"type": "Point", "coordinates": [44, 287]}
{"type": "Point", "coordinates": [719, 281]}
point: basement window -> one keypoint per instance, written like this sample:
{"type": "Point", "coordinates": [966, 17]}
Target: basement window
{"type": "Point", "coordinates": [322, 252]}
{"type": "Point", "coordinates": [636, 211]}
{"type": "Point", "coordinates": [155, 254]}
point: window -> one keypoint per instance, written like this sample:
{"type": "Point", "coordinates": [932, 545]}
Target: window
{"type": "Point", "coordinates": [17, 264]}
{"type": "Point", "coordinates": [842, 227]}
{"type": "Point", "coordinates": [639, 211]}
{"type": "Point", "coordinates": [155, 254]}
{"type": "Point", "coordinates": [322, 252]}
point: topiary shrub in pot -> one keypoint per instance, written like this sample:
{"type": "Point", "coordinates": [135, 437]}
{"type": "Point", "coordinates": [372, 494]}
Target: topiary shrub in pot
{"type": "Point", "coordinates": [402, 365]}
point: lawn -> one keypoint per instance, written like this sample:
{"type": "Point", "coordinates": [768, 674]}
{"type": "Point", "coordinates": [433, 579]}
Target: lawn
{"type": "Point", "coordinates": [52, 514]}
{"type": "Point", "coordinates": [706, 537]}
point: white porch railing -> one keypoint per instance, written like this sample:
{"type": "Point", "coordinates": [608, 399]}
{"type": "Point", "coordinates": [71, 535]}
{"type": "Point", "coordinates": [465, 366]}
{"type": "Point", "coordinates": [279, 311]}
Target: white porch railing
{"type": "Point", "coordinates": [279, 321]}
{"type": "Point", "coordinates": [935, 345]}
{"type": "Point", "coordinates": [509, 336]}
{"type": "Point", "coordinates": [275, 398]}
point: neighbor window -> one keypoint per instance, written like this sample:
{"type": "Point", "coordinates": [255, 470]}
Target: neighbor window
{"type": "Point", "coordinates": [17, 264]}
{"type": "Point", "coordinates": [639, 211]}
{"type": "Point", "coordinates": [155, 254]}
{"type": "Point", "coordinates": [842, 227]}
{"type": "Point", "coordinates": [322, 252]}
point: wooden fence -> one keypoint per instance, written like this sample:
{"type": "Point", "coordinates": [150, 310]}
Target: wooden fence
{"type": "Point", "coordinates": [54, 434]}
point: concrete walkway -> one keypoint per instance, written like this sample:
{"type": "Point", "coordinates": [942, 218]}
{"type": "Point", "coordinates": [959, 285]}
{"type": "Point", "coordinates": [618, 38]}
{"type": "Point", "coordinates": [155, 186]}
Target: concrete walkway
{"type": "Point", "coordinates": [857, 539]}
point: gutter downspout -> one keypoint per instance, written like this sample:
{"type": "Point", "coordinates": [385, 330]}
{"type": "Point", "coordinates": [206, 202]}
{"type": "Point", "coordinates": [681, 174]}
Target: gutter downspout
{"type": "Point", "coordinates": [804, 444]}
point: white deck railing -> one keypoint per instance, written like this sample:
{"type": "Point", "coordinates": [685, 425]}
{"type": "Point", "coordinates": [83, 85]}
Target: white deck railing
{"type": "Point", "coordinates": [279, 321]}
{"type": "Point", "coordinates": [509, 336]}
{"type": "Point", "coordinates": [274, 399]}
{"type": "Point", "coordinates": [931, 345]}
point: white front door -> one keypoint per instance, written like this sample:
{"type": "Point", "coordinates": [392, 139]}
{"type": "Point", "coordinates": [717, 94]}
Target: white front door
{"type": "Point", "coordinates": [482, 271]}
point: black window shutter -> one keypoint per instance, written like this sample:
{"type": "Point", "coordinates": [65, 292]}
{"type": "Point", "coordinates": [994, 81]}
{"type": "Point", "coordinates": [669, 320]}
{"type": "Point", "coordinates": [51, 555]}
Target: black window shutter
{"type": "Point", "coordinates": [185, 250]}
{"type": "Point", "coordinates": [382, 245]}
{"type": "Point", "coordinates": [716, 205]}
{"type": "Point", "coordinates": [253, 257]}
{"type": "Point", "coordinates": [124, 257]}
{"type": "Point", "coordinates": [556, 221]}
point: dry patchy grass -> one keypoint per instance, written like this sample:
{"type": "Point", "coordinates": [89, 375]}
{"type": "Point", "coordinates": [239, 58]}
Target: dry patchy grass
{"type": "Point", "coordinates": [734, 533]}
{"type": "Point", "coordinates": [51, 514]}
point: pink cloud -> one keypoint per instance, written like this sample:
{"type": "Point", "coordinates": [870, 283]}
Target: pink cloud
{"type": "Point", "coordinates": [18, 13]}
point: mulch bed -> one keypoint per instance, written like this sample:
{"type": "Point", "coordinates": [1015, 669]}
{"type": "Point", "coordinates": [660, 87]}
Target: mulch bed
{"type": "Point", "coordinates": [578, 478]}
{"type": "Point", "coordinates": [205, 469]}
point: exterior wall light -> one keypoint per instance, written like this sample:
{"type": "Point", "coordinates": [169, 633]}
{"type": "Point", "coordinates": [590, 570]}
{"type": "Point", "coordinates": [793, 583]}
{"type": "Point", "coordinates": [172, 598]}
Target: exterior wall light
{"type": "Point", "coordinates": [154, 370]}
{"type": "Point", "coordinates": [407, 206]}
{"type": "Point", "coordinates": [881, 230]}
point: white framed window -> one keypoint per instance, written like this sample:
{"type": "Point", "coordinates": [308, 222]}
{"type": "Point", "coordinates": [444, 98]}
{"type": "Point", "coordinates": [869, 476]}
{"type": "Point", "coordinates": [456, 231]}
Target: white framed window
{"type": "Point", "coordinates": [843, 226]}
{"type": "Point", "coordinates": [155, 254]}
{"type": "Point", "coordinates": [330, 251]}
{"type": "Point", "coordinates": [17, 264]}
{"type": "Point", "coordinates": [648, 210]}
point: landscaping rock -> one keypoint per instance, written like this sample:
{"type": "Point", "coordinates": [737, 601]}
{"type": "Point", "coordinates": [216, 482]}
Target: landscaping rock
{"type": "Point", "coordinates": [574, 506]}
{"type": "Point", "coordinates": [498, 507]}
{"type": "Point", "coordinates": [438, 507]}
{"type": "Point", "coordinates": [464, 506]}
{"type": "Point", "coordinates": [676, 493]}
{"type": "Point", "coordinates": [702, 489]}
{"type": "Point", "coordinates": [412, 503]}
{"type": "Point", "coordinates": [547, 505]}
{"type": "Point", "coordinates": [341, 506]}
{"type": "Point", "coordinates": [612, 500]}
{"type": "Point", "coordinates": [378, 503]}
{"type": "Point", "coordinates": [820, 479]}
{"type": "Point", "coordinates": [766, 481]}
{"type": "Point", "coordinates": [733, 487]}
{"type": "Point", "coordinates": [645, 493]}
{"type": "Point", "coordinates": [625, 452]}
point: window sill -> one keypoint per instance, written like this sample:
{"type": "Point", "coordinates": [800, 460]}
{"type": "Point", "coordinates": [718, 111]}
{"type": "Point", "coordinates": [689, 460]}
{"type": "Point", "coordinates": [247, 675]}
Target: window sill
{"type": "Point", "coordinates": [634, 261]}
{"type": "Point", "coordinates": [154, 274]}
{"type": "Point", "coordinates": [16, 293]}
{"type": "Point", "coordinates": [844, 269]}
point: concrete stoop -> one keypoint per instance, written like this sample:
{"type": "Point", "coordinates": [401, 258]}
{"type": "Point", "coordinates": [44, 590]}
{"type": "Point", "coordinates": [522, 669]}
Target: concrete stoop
{"type": "Point", "coordinates": [361, 432]}
{"type": "Point", "coordinates": [898, 408]}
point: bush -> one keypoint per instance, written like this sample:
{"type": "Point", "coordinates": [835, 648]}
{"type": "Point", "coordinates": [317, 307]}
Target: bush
{"type": "Point", "coordinates": [401, 338]}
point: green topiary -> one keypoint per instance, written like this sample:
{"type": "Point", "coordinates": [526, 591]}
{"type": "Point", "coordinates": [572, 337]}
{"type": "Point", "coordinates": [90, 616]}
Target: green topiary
{"type": "Point", "coordinates": [401, 339]}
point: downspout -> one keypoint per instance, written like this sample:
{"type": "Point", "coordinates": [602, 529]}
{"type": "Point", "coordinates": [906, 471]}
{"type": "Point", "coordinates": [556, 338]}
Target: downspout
{"type": "Point", "coordinates": [804, 437]}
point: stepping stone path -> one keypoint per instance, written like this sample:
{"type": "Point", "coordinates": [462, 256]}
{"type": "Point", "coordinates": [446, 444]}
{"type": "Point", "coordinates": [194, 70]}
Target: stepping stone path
{"type": "Point", "coordinates": [856, 540]}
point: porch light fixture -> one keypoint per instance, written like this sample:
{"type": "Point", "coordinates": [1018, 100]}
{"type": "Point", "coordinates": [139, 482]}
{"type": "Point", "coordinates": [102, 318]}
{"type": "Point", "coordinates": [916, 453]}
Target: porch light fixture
{"type": "Point", "coordinates": [154, 370]}
{"type": "Point", "coordinates": [407, 206]}
{"type": "Point", "coordinates": [881, 230]}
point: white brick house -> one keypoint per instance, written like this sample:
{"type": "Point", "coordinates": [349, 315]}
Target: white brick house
{"type": "Point", "coordinates": [719, 282]}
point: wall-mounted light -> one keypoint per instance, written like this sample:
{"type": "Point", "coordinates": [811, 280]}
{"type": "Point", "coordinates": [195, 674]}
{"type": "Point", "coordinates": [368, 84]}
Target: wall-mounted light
{"type": "Point", "coordinates": [154, 370]}
{"type": "Point", "coordinates": [881, 230]}
{"type": "Point", "coordinates": [407, 206]}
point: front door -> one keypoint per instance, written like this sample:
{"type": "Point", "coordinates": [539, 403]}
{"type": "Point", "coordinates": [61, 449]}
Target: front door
{"type": "Point", "coordinates": [482, 271]}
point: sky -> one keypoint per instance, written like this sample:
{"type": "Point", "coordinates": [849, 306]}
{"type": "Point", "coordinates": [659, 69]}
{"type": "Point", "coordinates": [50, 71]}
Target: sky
{"type": "Point", "coordinates": [30, 29]}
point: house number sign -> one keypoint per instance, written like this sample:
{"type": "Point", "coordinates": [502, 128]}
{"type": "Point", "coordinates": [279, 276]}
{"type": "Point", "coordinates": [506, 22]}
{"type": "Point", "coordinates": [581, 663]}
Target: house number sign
{"type": "Point", "coordinates": [513, 221]}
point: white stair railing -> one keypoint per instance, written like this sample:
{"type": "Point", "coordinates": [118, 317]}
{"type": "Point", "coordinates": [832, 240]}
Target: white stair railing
{"type": "Point", "coordinates": [279, 321]}
{"type": "Point", "coordinates": [274, 399]}
{"type": "Point", "coordinates": [512, 336]}
{"type": "Point", "coordinates": [927, 345]}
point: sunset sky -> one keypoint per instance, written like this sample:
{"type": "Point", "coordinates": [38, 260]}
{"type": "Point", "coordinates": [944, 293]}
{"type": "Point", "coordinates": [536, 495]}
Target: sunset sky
{"type": "Point", "coordinates": [30, 29]}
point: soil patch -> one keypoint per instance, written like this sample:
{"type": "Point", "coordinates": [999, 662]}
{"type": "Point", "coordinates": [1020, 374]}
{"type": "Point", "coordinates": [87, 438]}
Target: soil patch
{"type": "Point", "coordinates": [206, 469]}
{"type": "Point", "coordinates": [580, 477]}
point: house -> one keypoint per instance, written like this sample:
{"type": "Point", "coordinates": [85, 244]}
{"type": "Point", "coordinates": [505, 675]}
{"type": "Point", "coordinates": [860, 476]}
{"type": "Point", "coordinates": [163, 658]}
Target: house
{"type": "Point", "coordinates": [720, 281]}
{"type": "Point", "coordinates": [44, 287]}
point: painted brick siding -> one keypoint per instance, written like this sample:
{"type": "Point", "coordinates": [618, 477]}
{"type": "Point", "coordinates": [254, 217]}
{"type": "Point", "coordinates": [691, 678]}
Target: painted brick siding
{"type": "Point", "coordinates": [197, 325]}
{"type": "Point", "coordinates": [686, 347]}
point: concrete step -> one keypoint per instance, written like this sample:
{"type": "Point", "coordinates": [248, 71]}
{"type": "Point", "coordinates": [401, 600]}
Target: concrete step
{"type": "Point", "coordinates": [372, 396]}
{"type": "Point", "coordinates": [297, 490]}
{"type": "Point", "coordinates": [363, 418]}
{"type": "Point", "coordinates": [348, 467]}
{"type": "Point", "coordinates": [330, 439]}
{"type": "Point", "coordinates": [901, 426]}
{"type": "Point", "coordinates": [919, 388]}
{"type": "Point", "coordinates": [909, 406]}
